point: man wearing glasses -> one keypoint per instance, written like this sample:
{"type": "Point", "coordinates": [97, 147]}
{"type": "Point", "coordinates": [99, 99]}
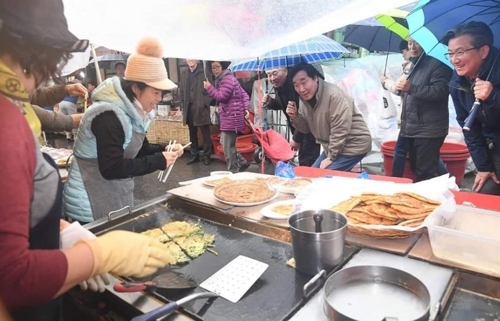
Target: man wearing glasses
{"type": "Point", "coordinates": [477, 77]}
{"type": "Point", "coordinates": [424, 118]}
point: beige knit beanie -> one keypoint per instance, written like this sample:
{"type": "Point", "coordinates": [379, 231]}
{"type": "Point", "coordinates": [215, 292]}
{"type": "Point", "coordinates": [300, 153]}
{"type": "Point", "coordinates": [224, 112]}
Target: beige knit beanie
{"type": "Point", "coordinates": [146, 65]}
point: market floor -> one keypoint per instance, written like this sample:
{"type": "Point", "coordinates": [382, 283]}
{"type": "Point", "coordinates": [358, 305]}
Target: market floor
{"type": "Point", "coordinates": [148, 186]}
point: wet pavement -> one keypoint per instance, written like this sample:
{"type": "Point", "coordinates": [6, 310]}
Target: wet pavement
{"type": "Point", "coordinates": [148, 186]}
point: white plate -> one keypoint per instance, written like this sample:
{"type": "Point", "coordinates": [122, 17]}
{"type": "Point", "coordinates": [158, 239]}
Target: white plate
{"type": "Point", "coordinates": [276, 194]}
{"type": "Point", "coordinates": [207, 181]}
{"type": "Point", "coordinates": [269, 213]}
{"type": "Point", "coordinates": [225, 173]}
{"type": "Point", "coordinates": [289, 190]}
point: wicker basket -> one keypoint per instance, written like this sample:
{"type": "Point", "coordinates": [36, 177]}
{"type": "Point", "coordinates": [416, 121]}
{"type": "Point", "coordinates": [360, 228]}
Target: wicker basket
{"type": "Point", "coordinates": [360, 231]}
{"type": "Point", "coordinates": [161, 131]}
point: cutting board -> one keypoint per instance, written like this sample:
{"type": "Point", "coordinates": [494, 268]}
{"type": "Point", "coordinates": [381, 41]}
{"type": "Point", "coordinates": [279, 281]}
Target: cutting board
{"type": "Point", "coordinates": [397, 246]}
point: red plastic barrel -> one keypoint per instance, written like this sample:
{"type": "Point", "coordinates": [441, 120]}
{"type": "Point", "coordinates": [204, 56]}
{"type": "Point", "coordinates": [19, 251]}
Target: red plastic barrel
{"type": "Point", "coordinates": [454, 157]}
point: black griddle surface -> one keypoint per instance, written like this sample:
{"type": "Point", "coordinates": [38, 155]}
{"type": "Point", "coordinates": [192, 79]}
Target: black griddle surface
{"type": "Point", "coordinates": [467, 305]}
{"type": "Point", "coordinates": [275, 296]}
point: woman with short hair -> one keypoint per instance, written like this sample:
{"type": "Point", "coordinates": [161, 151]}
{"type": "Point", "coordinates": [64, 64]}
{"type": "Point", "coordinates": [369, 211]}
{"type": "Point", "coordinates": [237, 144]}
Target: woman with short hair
{"type": "Point", "coordinates": [34, 271]}
{"type": "Point", "coordinates": [232, 104]}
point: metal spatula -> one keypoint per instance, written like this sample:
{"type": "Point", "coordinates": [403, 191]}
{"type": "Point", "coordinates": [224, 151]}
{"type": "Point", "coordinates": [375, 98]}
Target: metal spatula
{"type": "Point", "coordinates": [170, 280]}
{"type": "Point", "coordinates": [236, 278]}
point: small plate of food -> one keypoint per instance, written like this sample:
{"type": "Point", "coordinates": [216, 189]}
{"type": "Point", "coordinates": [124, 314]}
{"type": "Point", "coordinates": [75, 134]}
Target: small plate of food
{"type": "Point", "coordinates": [217, 180]}
{"type": "Point", "coordinates": [281, 210]}
{"type": "Point", "coordinates": [293, 185]}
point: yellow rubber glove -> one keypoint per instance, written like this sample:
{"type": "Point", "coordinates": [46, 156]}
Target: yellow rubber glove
{"type": "Point", "coordinates": [127, 254]}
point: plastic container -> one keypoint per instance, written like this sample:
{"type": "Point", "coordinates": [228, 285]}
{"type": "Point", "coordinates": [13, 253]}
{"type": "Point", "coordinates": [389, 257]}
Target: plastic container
{"type": "Point", "coordinates": [246, 150]}
{"type": "Point", "coordinates": [453, 155]}
{"type": "Point", "coordinates": [468, 236]}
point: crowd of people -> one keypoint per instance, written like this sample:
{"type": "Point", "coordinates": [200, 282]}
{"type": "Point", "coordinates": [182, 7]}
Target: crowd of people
{"type": "Point", "coordinates": [111, 147]}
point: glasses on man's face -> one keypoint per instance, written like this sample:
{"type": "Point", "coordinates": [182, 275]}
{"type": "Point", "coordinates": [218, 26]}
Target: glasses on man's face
{"type": "Point", "coordinates": [459, 54]}
{"type": "Point", "coordinates": [216, 67]}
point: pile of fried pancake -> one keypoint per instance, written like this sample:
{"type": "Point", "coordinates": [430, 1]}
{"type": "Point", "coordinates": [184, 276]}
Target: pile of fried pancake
{"type": "Point", "coordinates": [182, 240]}
{"type": "Point", "coordinates": [399, 209]}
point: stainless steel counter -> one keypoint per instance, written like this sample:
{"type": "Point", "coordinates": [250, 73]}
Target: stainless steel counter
{"type": "Point", "coordinates": [434, 277]}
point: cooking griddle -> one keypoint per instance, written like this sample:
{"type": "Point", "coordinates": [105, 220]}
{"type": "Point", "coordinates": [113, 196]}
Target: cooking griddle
{"type": "Point", "coordinates": [468, 305]}
{"type": "Point", "coordinates": [275, 296]}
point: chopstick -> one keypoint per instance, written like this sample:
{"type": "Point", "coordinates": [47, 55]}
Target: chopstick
{"type": "Point", "coordinates": [172, 166]}
{"type": "Point", "coordinates": [160, 174]}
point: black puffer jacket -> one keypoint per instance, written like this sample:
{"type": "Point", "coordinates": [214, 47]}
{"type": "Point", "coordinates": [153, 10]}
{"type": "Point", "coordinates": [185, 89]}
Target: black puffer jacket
{"type": "Point", "coordinates": [425, 105]}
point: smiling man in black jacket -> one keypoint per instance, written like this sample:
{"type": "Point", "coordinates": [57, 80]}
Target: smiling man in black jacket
{"type": "Point", "coordinates": [424, 119]}
{"type": "Point", "coordinates": [477, 76]}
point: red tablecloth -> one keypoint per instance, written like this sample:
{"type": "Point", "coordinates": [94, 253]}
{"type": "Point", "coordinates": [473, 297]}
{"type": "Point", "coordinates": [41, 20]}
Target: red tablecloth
{"type": "Point", "coordinates": [488, 202]}
{"type": "Point", "coordinates": [318, 172]}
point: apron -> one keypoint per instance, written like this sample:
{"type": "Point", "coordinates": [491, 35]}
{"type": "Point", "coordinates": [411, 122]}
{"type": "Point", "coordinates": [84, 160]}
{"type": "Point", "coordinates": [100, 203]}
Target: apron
{"type": "Point", "coordinates": [45, 236]}
{"type": "Point", "coordinates": [109, 195]}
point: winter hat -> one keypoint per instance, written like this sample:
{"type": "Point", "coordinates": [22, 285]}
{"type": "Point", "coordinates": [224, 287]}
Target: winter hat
{"type": "Point", "coordinates": [146, 65]}
{"type": "Point", "coordinates": [42, 22]}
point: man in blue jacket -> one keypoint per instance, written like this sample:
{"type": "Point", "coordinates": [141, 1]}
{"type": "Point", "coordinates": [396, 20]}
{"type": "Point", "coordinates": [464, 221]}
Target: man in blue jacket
{"type": "Point", "coordinates": [477, 76]}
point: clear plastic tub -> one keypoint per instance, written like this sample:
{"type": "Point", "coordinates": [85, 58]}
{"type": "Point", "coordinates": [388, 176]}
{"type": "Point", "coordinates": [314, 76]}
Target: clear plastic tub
{"type": "Point", "coordinates": [468, 236]}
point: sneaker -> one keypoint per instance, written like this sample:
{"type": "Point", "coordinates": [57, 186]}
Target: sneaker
{"type": "Point", "coordinates": [244, 167]}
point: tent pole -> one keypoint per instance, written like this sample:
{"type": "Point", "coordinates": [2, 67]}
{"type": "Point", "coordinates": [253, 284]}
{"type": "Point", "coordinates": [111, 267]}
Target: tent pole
{"type": "Point", "coordinates": [96, 64]}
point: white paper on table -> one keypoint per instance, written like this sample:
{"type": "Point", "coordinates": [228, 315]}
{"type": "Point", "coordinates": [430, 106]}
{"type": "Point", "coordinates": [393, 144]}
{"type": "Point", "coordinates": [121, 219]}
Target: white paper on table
{"type": "Point", "coordinates": [328, 192]}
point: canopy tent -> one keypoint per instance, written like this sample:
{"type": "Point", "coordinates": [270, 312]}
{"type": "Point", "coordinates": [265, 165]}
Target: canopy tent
{"type": "Point", "coordinates": [215, 29]}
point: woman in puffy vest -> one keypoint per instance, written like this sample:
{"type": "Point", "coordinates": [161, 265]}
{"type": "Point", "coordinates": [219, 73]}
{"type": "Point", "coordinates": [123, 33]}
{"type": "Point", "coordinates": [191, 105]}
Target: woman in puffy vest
{"type": "Point", "coordinates": [233, 103]}
{"type": "Point", "coordinates": [111, 146]}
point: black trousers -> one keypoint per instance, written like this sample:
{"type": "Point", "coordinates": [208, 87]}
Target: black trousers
{"type": "Point", "coordinates": [309, 150]}
{"type": "Point", "coordinates": [490, 187]}
{"type": "Point", "coordinates": [424, 157]}
{"type": "Point", "coordinates": [193, 135]}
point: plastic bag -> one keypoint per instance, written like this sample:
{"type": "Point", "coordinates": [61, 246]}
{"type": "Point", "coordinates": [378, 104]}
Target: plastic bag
{"type": "Point", "coordinates": [214, 115]}
{"type": "Point", "coordinates": [363, 175]}
{"type": "Point", "coordinates": [284, 170]}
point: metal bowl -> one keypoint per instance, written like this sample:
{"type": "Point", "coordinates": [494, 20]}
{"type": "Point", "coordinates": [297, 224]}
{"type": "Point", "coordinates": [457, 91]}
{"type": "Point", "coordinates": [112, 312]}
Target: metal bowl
{"type": "Point", "coordinates": [370, 292]}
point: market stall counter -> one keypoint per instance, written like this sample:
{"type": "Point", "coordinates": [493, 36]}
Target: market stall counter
{"type": "Point", "coordinates": [242, 230]}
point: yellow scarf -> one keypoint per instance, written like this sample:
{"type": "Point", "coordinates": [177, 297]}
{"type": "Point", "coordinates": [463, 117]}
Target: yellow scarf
{"type": "Point", "coordinates": [14, 90]}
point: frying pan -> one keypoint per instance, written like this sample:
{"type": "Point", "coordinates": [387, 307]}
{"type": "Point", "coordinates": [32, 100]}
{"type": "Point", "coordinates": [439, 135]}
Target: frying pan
{"type": "Point", "coordinates": [170, 280]}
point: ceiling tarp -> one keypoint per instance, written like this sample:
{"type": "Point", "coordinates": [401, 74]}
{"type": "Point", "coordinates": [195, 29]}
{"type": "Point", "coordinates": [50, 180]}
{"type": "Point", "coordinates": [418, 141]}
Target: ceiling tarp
{"type": "Point", "coordinates": [215, 29]}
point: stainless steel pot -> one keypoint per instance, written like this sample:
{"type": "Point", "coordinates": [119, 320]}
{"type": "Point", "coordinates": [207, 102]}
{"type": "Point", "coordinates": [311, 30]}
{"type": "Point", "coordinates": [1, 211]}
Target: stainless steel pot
{"type": "Point", "coordinates": [317, 239]}
{"type": "Point", "coordinates": [376, 293]}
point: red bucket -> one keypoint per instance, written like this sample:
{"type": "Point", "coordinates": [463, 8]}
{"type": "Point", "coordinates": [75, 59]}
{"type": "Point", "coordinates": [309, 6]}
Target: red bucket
{"type": "Point", "coordinates": [246, 150]}
{"type": "Point", "coordinates": [454, 157]}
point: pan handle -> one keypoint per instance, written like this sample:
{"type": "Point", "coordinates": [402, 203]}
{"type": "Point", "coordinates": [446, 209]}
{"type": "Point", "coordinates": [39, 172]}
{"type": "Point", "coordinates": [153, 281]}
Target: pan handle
{"type": "Point", "coordinates": [157, 313]}
{"type": "Point", "coordinates": [312, 281]}
{"type": "Point", "coordinates": [132, 286]}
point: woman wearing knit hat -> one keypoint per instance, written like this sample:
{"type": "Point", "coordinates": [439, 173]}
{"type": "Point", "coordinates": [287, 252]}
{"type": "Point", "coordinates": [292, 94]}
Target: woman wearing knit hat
{"type": "Point", "coordinates": [111, 146]}
{"type": "Point", "coordinates": [34, 271]}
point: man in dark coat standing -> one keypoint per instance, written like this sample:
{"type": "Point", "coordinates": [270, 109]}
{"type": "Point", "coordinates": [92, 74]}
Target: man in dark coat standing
{"type": "Point", "coordinates": [196, 109]}
{"type": "Point", "coordinates": [424, 119]}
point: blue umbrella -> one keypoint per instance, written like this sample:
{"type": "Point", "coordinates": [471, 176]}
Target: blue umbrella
{"type": "Point", "coordinates": [316, 49]}
{"type": "Point", "coordinates": [372, 38]}
{"type": "Point", "coordinates": [431, 19]}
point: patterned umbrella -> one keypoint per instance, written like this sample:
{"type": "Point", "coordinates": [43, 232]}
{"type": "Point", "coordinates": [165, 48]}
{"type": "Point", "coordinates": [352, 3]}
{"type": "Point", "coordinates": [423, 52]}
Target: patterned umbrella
{"type": "Point", "coordinates": [431, 19]}
{"type": "Point", "coordinates": [316, 49]}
